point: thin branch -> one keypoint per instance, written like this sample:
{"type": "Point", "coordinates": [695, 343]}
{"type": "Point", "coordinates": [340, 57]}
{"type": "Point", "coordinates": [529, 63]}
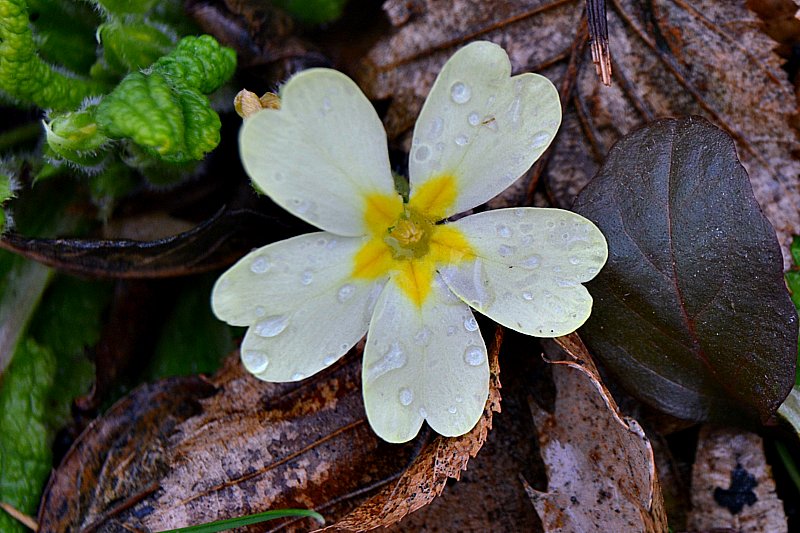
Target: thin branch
{"type": "Point", "coordinates": [598, 35]}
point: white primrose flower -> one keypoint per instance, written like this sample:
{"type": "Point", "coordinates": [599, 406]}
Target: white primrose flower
{"type": "Point", "coordinates": [392, 269]}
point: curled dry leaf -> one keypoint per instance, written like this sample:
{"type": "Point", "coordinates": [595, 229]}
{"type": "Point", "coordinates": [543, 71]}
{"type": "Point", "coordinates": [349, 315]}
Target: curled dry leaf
{"type": "Point", "coordinates": [215, 243]}
{"type": "Point", "coordinates": [732, 486]}
{"type": "Point", "coordinates": [601, 469]}
{"type": "Point", "coordinates": [171, 455]}
{"type": "Point", "coordinates": [671, 58]}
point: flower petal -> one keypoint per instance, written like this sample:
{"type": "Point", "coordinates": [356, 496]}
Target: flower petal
{"type": "Point", "coordinates": [481, 127]}
{"type": "Point", "coordinates": [302, 305]}
{"type": "Point", "coordinates": [423, 362]}
{"type": "Point", "coordinates": [529, 268]}
{"type": "Point", "coordinates": [323, 155]}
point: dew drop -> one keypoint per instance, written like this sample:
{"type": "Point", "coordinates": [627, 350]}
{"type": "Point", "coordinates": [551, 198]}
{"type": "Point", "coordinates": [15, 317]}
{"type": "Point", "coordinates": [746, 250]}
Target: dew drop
{"type": "Point", "coordinates": [269, 327]}
{"type": "Point", "coordinates": [436, 127]}
{"type": "Point", "coordinates": [423, 336]}
{"type": "Point", "coordinates": [459, 399]}
{"type": "Point", "coordinates": [504, 250]}
{"type": "Point", "coordinates": [503, 231]}
{"type": "Point", "coordinates": [322, 241]}
{"type": "Point", "coordinates": [473, 119]}
{"type": "Point", "coordinates": [451, 330]}
{"type": "Point", "coordinates": [439, 147]}
{"type": "Point", "coordinates": [331, 244]}
{"type": "Point", "coordinates": [345, 292]}
{"type": "Point", "coordinates": [329, 359]}
{"type": "Point", "coordinates": [527, 295]}
{"type": "Point", "coordinates": [344, 347]}
{"type": "Point", "coordinates": [260, 311]}
{"type": "Point", "coordinates": [452, 409]}
{"type": "Point", "coordinates": [551, 224]}
{"type": "Point", "coordinates": [470, 324]}
{"type": "Point", "coordinates": [326, 105]}
{"type": "Point", "coordinates": [297, 376]}
{"type": "Point", "coordinates": [473, 356]}
{"type": "Point", "coordinates": [307, 277]}
{"type": "Point", "coordinates": [393, 359]}
{"type": "Point", "coordinates": [255, 361]}
{"type": "Point", "coordinates": [566, 283]}
{"type": "Point", "coordinates": [259, 265]}
{"type": "Point", "coordinates": [540, 140]}
{"type": "Point", "coordinates": [460, 93]}
{"type": "Point", "coordinates": [462, 140]}
{"type": "Point", "coordinates": [423, 413]}
{"type": "Point", "coordinates": [422, 153]}
{"type": "Point", "coordinates": [531, 262]}
{"type": "Point", "coordinates": [591, 271]}
{"type": "Point", "coordinates": [406, 396]}
{"type": "Point", "coordinates": [574, 261]}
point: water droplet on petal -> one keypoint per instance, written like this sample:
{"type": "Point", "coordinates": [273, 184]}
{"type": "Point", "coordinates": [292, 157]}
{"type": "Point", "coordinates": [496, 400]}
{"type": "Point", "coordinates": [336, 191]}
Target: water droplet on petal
{"type": "Point", "coordinates": [255, 361]}
{"type": "Point", "coordinates": [422, 153]}
{"type": "Point", "coordinates": [307, 277]}
{"type": "Point", "coordinates": [462, 140]}
{"type": "Point", "coordinates": [527, 295]}
{"type": "Point", "coordinates": [459, 399]}
{"type": "Point", "coordinates": [330, 359]}
{"type": "Point", "coordinates": [452, 409]}
{"type": "Point", "coordinates": [470, 324]}
{"type": "Point", "coordinates": [540, 140]}
{"type": "Point", "coordinates": [271, 326]}
{"type": "Point", "coordinates": [326, 105]}
{"type": "Point", "coordinates": [451, 330]}
{"type": "Point", "coordinates": [423, 336]}
{"type": "Point", "coordinates": [423, 413]}
{"type": "Point", "coordinates": [574, 261]}
{"type": "Point", "coordinates": [260, 311]}
{"type": "Point", "coordinates": [345, 292]}
{"type": "Point", "coordinates": [503, 231]}
{"type": "Point", "coordinates": [473, 356]}
{"type": "Point", "coordinates": [505, 250]}
{"type": "Point", "coordinates": [297, 376]}
{"type": "Point", "coordinates": [260, 265]}
{"type": "Point", "coordinates": [394, 358]}
{"type": "Point", "coordinates": [460, 93]}
{"type": "Point", "coordinates": [530, 262]}
{"type": "Point", "coordinates": [436, 128]}
{"type": "Point", "coordinates": [406, 396]}
{"type": "Point", "coordinates": [591, 271]}
{"type": "Point", "coordinates": [474, 119]}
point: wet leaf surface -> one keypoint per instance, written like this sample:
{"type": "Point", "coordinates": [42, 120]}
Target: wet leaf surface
{"type": "Point", "coordinates": [693, 266]}
{"type": "Point", "coordinates": [217, 242]}
{"type": "Point", "coordinates": [671, 58]}
{"type": "Point", "coordinates": [732, 484]}
{"type": "Point", "coordinates": [601, 469]}
{"type": "Point", "coordinates": [188, 451]}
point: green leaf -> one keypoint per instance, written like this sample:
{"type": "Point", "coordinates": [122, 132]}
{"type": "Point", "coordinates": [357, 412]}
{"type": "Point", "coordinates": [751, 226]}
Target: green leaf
{"type": "Point", "coordinates": [691, 310]}
{"type": "Point", "coordinates": [225, 525]}
{"type": "Point", "coordinates": [165, 111]}
{"type": "Point", "coordinates": [192, 341]}
{"type": "Point", "coordinates": [25, 456]}
{"type": "Point", "coordinates": [313, 11]}
{"type": "Point", "coordinates": [24, 75]}
{"type": "Point", "coordinates": [64, 33]}
{"type": "Point", "coordinates": [133, 45]}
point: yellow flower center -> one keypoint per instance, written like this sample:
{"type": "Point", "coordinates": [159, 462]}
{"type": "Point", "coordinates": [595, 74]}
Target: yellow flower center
{"type": "Point", "coordinates": [406, 242]}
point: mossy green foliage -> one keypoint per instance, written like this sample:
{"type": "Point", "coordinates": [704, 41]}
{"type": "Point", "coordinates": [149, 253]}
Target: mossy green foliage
{"type": "Point", "coordinates": [24, 75]}
{"type": "Point", "coordinates": [49, 369]}
{"type": "Point", "coordinates": [25, 456]}
{"type": "Point", "coordinates": [313, 11]}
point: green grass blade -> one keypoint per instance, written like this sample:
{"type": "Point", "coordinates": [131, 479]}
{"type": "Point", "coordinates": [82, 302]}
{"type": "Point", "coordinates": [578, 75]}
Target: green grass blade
{"type": "Point", "coordinates": [222, 525]}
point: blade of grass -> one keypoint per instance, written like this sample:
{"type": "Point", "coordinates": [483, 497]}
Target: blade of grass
{"type": "Point", "coordinates": [222, 525]}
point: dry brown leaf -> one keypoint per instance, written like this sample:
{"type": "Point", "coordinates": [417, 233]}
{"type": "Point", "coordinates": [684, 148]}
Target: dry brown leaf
{"type": "Point", "coordinates": [601, 469]}
{"type": "Point", "coordinates": [180, 453]}
{"type": "Point", "coordinates": [671, 58]}
{"type": "Point", "coordinates": [732, 484]}
{"type": "Point", "coordinates": [425, 478]}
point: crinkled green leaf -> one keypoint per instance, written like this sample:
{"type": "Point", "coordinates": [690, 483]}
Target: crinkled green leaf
{"type": "Point", "coordinates": [192, 341]}
{"type": "Point", "coordinates": [64, 33]}
{"type": "Point", "coordinates": [25, 456]}
{"type": "Point", "coordinates": [76, 136]}
{"type": "Point", "coordinates": [164, 110]}
{"type": "Point", "coordinates": [132, 45]}
{"type": "Point", "coordinates": [691, 311]}
{"type": "Point", "coordinates": [24, 75]}
{"type": "Point", "coordinates": [313, 11]}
